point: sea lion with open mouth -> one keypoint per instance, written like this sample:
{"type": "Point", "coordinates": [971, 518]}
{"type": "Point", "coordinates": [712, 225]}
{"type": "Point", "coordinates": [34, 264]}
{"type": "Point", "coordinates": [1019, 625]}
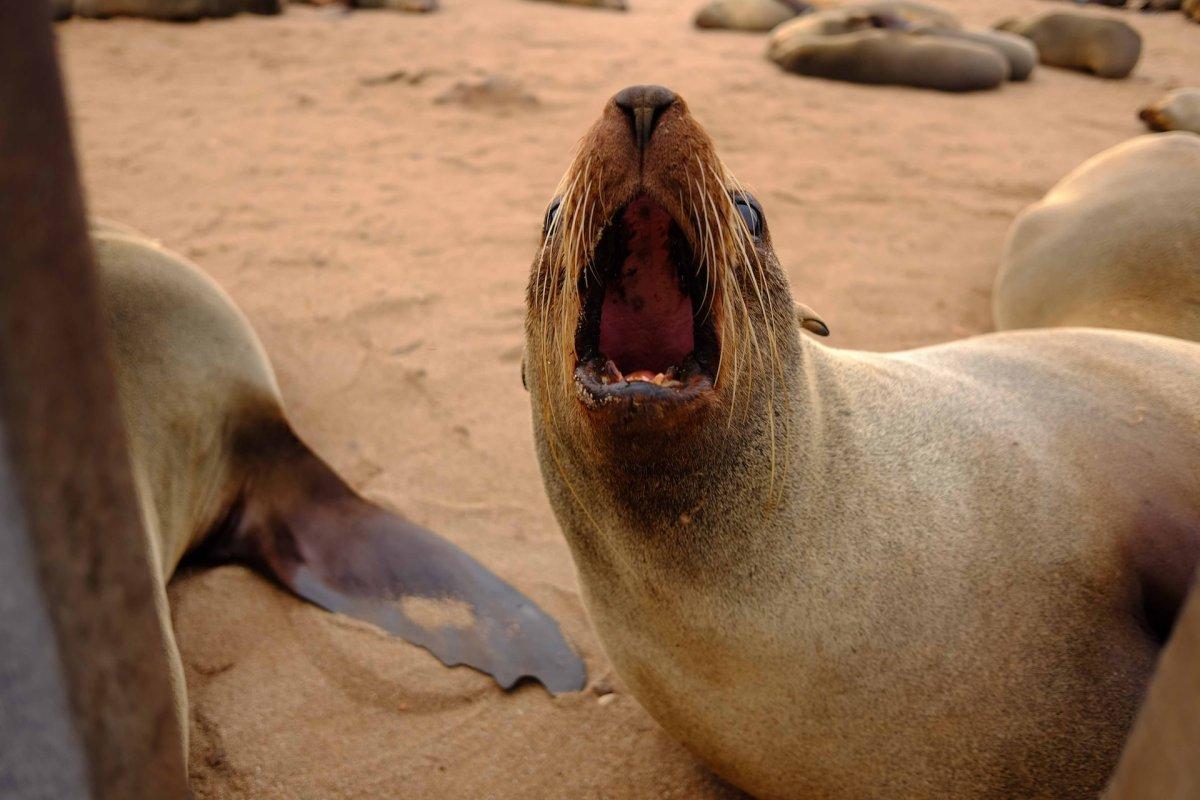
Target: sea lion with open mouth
{"type": "Point", "coordinates": [832, 574]}
{"type": "Point", "coordinates": [222, 476]}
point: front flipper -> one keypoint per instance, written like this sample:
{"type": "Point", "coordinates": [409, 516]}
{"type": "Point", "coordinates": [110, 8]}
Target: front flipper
{"type": "Point", "coordinates": [299, 523]}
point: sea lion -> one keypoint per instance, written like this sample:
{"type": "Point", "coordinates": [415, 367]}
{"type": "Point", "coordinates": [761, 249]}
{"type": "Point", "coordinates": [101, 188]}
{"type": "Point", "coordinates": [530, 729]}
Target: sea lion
{"type": "Point", "coordinates": [1021, 54]}
{"type": "Point", "coordinates": [1176, 111]}
{"type": "Point", "coordinates": [615, 5]}
{"type": "Point", "coordinates": [1115, 244]}
{"type": "Point", "coordinates": [945, 572]}
{"type": "Point", "coordinates": [1191, 10]}
{"type": "Point", "coordinates": [754, 16]}
{"type": "Point", "coordinates": [1107, 48]}
{"type": "Point", "coordinates": [222, 476]}
{"type": "Point", "coordinates": [166, 10]}
{"type": "Point", "coordinates": [854, 45]}
{"type": "Point", "coordinates": [909, 11]}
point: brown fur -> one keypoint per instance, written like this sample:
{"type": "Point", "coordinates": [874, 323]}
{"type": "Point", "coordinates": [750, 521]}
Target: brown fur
{"type": "Point", "coordinates": [1116, 244]}
{"type": "Point", "coordinates": [1105, 47]}
{"type": "Point", "coordinates": [1178, 110]}
{"type": "Point", "coordinates": [875, 47]}
{"type": "Point", "coordinates": [754, 16]}
{"type": "Point", "coordinates": [915, 575]}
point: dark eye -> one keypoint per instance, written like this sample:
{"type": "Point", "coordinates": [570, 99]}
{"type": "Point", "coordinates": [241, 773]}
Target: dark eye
{"type": "Point", "coordinates": [751, 214]}
{"type": "Point", "coordinates": [551, 216]}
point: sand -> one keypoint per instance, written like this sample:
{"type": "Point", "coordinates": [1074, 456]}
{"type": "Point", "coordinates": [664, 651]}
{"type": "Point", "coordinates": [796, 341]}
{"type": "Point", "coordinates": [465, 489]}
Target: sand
{"type": "Point", "coordinates": [375, 214]}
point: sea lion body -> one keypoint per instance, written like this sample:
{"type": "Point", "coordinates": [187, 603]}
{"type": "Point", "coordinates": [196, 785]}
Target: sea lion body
{"type": "Point", "coordinates": [615, 5]}
{"type": "Point", "coordinates": [1115, 244]}
{"type": "Point", "coordinates": [168, 10]}
{"type": "Point", "coordinates": [846, 45]}
{"type": "Point", "coordinates": [938, 573]}
{"type": "Point", "coordinates": [1178, 110]}
{"type": "Point", "coordinates": [221, 474]}
{"type": "Point", "coordinates": [1021, 54]}
{"type": "Point", "coordinates": [1107, 48]}
{"type": "Point", "coordinates": [754, 16]}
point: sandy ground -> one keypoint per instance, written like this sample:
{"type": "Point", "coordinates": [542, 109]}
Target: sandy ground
{"type": "Point", "coordinates": [379, 240]}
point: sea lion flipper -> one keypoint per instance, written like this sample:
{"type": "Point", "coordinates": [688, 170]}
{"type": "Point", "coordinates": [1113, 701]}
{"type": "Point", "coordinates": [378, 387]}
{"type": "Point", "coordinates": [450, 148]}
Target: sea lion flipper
{"type": "Point", "coordinates": [304, 526]}
{"type": "Point", "coordinates": [418, 586]}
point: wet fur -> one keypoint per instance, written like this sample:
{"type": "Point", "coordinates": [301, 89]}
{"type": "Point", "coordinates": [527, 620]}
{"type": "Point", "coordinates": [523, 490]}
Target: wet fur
{"type": "Point", "coordinates": [924, 575]}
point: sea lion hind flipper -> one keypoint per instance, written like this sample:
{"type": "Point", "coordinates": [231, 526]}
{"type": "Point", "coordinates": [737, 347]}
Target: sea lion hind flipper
{"type": "Point", "coordinates": [303, 526]}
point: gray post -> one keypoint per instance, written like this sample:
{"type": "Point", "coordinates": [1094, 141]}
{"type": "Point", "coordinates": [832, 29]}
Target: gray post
{"type": "Point", "coordinates": [86, 708]}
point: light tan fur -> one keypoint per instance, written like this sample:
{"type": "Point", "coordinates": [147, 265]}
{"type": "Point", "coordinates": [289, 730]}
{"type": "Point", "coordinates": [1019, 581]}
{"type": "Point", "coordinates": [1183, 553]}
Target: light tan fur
{"type": "Point", "coordinates": [1115, 244]}
{"type": "Point", "coordinates": [908, 575]}
{"type": "Point", "coordinates": [1105, 47]}
{"type": "Point", "coordinates": [848, 44]}
{"type": "Point", "coordinates": [179, 411]}
{"type": "Point", "coordinates": [754, 16]}
{"type": "Point", "coordinates": [1178, 110]}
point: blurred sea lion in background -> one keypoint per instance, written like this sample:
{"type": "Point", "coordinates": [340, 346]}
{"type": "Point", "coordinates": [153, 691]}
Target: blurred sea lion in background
{"type": "Point", "coordinates": [1115, 244]}
{"type": "Point", "coordinates": [615, 5]}
{"type": "Point", "coordinates": [754, 16]}
{"type": "Point", "coordinates": [166, 10]}
{"type": "Point", "coordinates": [864, 46]}
{"type": "Point", "coordinates": [940, 573]}
{"type": "Point", "coordinates": [1191, 10]}
{"type": "Point", "coordinates": [222, 476]}
{"type": "Point", "coordinates": [1107, 48]}
{"type": "Point", "coordinates": [1178, 110]}
{"type": "Point", "coordinates": [415, 6]}
{"type": "Point", "coordinates": [909, 11]}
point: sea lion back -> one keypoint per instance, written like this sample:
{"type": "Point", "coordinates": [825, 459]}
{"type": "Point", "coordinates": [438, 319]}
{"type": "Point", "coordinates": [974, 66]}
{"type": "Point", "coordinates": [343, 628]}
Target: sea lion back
{"type": "Point", "coordinates": [1116, 244]}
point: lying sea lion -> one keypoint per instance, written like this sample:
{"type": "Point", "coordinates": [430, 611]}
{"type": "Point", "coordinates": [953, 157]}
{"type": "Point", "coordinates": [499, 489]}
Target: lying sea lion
{"type": "Point", "coordinates": [945, 572]}
{"type": "Point", "coordinates": [168, 10]}
{"type": "Point", "coordinates": [909, 11]}
{"type": "Point", "coordinates": [615, 5]}
{"type": "Point", "coordinates": [222, 476]}
{"type": "Point", "coordinates": [1116, 244]}
{"type": "Point", "coordinates": [1021, 54]}
{"type": "Point", "coordinates": [755, 16]}
{"type": "Point", "coordinates": [861, 47]}
{"type": "Point", "coordinates": [1107, 48]}
{"type": "Point", "coordinates": [416, 6]}
{"type": "Point", "coordinates": [1176, 111]}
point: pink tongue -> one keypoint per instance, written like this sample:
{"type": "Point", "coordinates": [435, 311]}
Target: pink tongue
{"type": "Point", "coordinates": [646, 320]}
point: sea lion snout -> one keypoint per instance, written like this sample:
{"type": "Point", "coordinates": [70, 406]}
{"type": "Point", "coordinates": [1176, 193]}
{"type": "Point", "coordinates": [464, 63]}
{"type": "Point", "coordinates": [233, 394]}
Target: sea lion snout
{"type": "Point", "coordinates": [644, 105]}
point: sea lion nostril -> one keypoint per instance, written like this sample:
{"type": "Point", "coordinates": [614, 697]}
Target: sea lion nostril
{"type": "Point", "coordinates": [644, 105]}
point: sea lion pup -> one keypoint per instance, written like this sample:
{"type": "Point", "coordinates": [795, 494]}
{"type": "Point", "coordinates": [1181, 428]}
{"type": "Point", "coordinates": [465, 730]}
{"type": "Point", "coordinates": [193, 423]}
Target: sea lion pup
{"type": "Point", "coordinates": [754, 16]}
{"type": "Point", "coordinates": [854, 45]}
{"type": "Point", "coordinates": [1107, 48]}
{"type": "Point", "coordinates": [221, 474]}
{"type": "Point", "coordinates": [939, 573]}
{"type": "Point", "coordinates": [1116, 244]}
{"type": "Point", "coordinates": [1176, 111]}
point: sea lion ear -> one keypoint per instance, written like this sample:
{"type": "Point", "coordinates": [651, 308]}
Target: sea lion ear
{"type": "Point", "coordinates": [809, 320]}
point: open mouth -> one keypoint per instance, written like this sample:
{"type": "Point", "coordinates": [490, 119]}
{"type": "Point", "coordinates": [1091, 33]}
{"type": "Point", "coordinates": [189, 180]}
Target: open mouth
{"type": "Point", "coordinates": [646, 330]}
